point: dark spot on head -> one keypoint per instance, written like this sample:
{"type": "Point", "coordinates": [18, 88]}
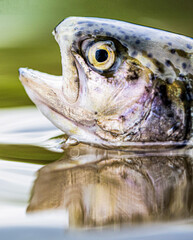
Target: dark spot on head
{"type": "Point", "coordinates": [173, 51]}
{"type": "Point", "coordinates": [104, 24]}
{"type": "Point", "coordinates": [189, 46]}
{"type": "Point", "coordinates": [168, 63]}
{"type": "Point", "coordinates": [134, 54]}
{"type": "Point", "coordinates": [126, 37]}
{"type": "Point", "coordinates": [78, 34]}
{"type": "Point", "coordinates": [95, 113]}
{"type": "Point", "coordinates": [122, 32]}
{"type": "Point", "coordinates": [122, 118]}
{"type": "Point", "coordinates": [147, 38]}
{"type": "Point", "coordinates": [150, 55]}
{"type": "Point", "coordinates": [184, 65]}
{"type": "Point", "coordinates": [169, 43]}
{"type": "Point", "coordinates": [87, 32]}
{"type": "Point", "coordinates": [108, 34]}
{"type": "Point", "coordinates": [81, 22]}
{"type": "Point", "coordinates": [90, 24]}
{"type": "Point", "coordinates": [134, 36]}
{"type": "Point", "coordinates": [137, 41]}
{"type": "Point", "coordinates": [101, 29]}
{"type": "Point", "coordinates": [96, 31]}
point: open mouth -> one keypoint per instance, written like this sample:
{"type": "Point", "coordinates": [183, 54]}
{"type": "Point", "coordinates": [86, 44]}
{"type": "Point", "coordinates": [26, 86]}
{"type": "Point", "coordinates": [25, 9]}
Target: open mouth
{"type": "Point", "coordinates": [41, 87]}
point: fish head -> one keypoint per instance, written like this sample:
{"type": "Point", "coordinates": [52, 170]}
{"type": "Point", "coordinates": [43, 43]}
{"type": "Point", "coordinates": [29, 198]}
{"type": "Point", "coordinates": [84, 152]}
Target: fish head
{"type": "Point", "coordinates": [121, 83]}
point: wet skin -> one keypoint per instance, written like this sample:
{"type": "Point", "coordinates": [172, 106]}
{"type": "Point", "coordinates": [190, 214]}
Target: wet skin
{"type": "Point", "coordinates": [122, 84]}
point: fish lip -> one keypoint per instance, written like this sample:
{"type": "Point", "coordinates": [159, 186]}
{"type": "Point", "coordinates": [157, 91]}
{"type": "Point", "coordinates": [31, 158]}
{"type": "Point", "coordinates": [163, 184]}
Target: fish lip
{"type": "Point", "coordinates": [27, 74]}
{"type": "Point", "coordinates": [24, 71]}
{"type": "Point", "coordinates": [28, 77]}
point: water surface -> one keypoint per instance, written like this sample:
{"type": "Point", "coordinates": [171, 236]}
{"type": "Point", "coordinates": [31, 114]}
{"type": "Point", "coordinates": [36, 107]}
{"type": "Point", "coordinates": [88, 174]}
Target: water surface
{"type": "Point", "coordinates": [43, 184]}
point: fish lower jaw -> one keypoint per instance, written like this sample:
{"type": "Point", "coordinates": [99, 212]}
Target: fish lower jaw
{"type": "Point", "coordinates": [74, 132]}
{"type": "Point", "coordinates": [85, 135]}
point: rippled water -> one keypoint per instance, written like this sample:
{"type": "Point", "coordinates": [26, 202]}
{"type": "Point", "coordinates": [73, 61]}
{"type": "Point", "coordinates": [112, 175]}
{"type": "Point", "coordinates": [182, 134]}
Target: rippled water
{"type": "Point", "coordinates": [45, 186]}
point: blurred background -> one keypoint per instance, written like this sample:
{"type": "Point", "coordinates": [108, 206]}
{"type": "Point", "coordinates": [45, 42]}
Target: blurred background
{"type": "Point", "coordinates": [26, 27]}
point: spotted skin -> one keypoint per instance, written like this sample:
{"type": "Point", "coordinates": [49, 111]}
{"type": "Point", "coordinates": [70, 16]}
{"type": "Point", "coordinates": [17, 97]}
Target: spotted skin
{"type": "Point", "coordinates": [140, 41]}
{"type": "Point", "coordinates": [143, 99]}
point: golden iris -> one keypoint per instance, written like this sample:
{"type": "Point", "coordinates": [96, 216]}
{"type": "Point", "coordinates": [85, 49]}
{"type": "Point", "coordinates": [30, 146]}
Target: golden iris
{"type": "Point", "coordinates": [102, 55]}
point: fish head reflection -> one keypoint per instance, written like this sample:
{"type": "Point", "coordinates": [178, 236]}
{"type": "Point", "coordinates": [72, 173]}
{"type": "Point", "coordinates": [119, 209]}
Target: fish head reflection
{"type": "Point", "coordinates": [115, 187]}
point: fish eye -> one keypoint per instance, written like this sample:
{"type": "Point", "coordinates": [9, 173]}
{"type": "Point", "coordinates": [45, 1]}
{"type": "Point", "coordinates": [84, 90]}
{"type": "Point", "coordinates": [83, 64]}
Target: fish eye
{"type": "Point", "coordinates": [101, 55]}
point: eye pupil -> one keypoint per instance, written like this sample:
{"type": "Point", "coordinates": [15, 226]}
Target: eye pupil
{"type": "Point", "coordinates": [101, 55]}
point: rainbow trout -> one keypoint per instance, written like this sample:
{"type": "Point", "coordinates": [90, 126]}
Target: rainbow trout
{"type": "Point", "coordinates": [122, 84]}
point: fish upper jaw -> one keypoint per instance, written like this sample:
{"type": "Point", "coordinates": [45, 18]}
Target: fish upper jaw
{"type": "Point", "coordinates": [46, 92]}
{"type": "Point", "coordinates": [42, 78]}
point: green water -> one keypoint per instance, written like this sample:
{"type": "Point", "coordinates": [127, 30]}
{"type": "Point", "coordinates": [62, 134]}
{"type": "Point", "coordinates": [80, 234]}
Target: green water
{"type": "Point", "coordinates": [37, 176]}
